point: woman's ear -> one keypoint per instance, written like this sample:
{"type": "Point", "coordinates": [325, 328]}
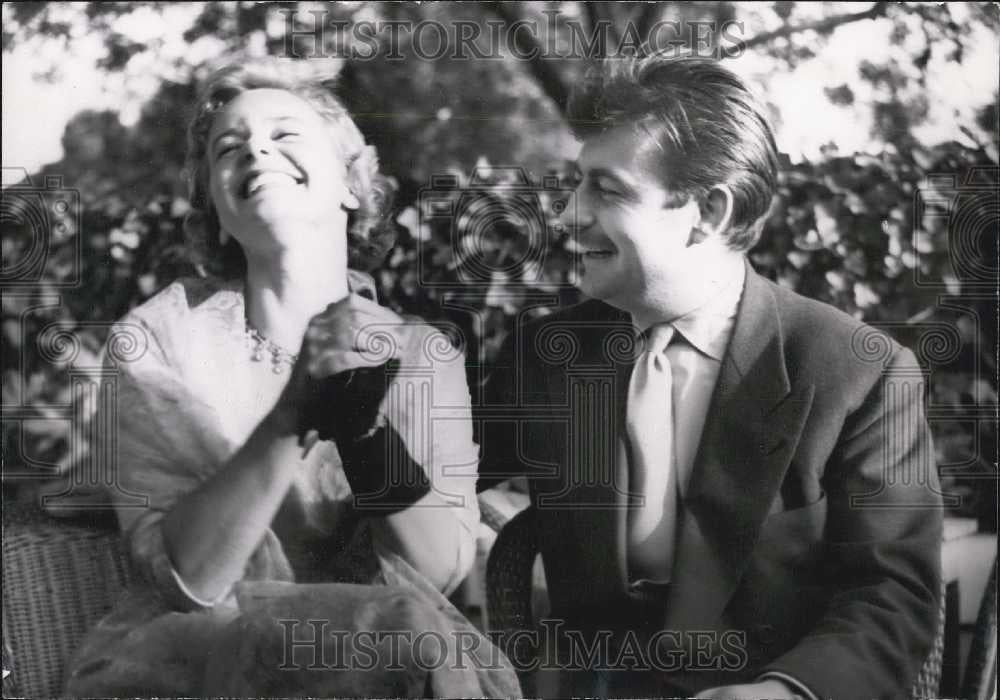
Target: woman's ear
{"type": "Point", "coordinates": [223, 237]}
{"type": "Point", "coordinates": [716, 212]}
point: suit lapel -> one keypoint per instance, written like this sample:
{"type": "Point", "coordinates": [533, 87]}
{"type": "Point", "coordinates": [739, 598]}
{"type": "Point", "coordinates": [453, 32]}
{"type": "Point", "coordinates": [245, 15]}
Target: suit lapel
{"type": "Point", "coordinates": [753, 424]}
{"type": "Point", "coordinates": [589, 511]}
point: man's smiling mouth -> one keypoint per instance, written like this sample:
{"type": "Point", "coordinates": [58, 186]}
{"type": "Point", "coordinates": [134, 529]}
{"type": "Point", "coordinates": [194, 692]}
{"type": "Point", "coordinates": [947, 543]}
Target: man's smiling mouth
{"type": "Point", "coordinates": [590, 253]}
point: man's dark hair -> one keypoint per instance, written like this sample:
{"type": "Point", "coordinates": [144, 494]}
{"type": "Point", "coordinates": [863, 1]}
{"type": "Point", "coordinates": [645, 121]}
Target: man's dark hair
{"type": "Point", "coordinates": [709, 127]}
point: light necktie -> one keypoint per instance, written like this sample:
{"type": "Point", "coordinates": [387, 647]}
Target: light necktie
{"type": "Point", "coordinates": [649, 421]}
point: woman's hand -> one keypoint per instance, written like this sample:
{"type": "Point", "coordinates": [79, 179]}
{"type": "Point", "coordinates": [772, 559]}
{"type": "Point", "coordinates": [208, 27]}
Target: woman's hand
{"type": "Point", "coordinates": [336, 386]}
{"type": "Point", "coordinates": [349, 358]}
{"type": "Point", "coordinates": [354, 333]}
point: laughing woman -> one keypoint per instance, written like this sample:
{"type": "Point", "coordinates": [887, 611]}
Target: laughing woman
{"type": "Point", "coordinates": [292, 437]}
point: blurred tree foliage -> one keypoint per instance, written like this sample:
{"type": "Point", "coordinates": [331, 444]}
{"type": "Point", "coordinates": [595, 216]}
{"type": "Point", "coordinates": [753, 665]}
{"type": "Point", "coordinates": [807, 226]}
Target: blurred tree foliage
{"type": "Point", "coordinates": [904, 237]}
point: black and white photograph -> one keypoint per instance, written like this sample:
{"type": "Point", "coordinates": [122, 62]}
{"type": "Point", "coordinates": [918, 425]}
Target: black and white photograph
{"type": "Point", "coordinates": [402, 349]}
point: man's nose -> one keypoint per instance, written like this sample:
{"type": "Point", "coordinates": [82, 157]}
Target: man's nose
{"type": "Point", "coordinates": [576, 214]}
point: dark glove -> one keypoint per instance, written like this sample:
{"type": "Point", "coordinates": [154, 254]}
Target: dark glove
{"type": "Point", "coordinates": [344, 408]}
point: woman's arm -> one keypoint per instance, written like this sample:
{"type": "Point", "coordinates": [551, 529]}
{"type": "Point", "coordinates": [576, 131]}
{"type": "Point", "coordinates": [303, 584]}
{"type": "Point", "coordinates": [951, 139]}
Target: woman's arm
{"type": "Point", "coordinates": [430, 537]}
{"type": "Point", "coordinates": [437, 534]}
{"type": "Point", "coordinates": [392, 394]}
{"type": "Point", "coordinates": [193, 512]}
{"type": "Point", "coordinates": [210, 533]}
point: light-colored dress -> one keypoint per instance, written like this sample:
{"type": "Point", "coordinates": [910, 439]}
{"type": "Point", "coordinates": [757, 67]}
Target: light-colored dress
{"type": "Point", "coordinates": [188, 397]}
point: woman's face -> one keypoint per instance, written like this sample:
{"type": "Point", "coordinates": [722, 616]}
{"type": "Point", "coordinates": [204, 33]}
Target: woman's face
{"type": "Point", "coordinates": [275, 174]}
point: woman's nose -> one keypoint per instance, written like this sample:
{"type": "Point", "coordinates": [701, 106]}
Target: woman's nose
{"type": "Point", "coordinates": [256, 147]}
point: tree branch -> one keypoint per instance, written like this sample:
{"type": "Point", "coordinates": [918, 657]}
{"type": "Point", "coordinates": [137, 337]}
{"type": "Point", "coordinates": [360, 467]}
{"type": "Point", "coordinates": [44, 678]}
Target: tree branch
{"type": "Point", "coordinates": [597, 14]}
{"type": "Point", "coordinates": [527, 45]}
{"type": "Point", "coordinates": [649, 13]}
{"type": "Point", "coordinates": [822, 25]}
{"type": "Point", "coordinates": [554, 85]}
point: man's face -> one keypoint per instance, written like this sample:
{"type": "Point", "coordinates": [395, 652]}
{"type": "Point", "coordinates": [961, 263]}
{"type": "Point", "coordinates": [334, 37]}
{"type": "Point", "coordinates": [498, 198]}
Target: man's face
{"type": "Point", "coordinates": [634, 241]}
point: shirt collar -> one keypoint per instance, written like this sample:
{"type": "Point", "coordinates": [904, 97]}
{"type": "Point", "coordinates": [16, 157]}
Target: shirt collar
{"type": "Point", "coordinates": [709, 326]}
{"type": "Point", "coordinates": [361, 283]}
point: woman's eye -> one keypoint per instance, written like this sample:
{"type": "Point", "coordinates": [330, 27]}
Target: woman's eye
{"type": "Point", "coordinates": [285, 135]}
{"type": "Point", "coordinates": [225, 149]}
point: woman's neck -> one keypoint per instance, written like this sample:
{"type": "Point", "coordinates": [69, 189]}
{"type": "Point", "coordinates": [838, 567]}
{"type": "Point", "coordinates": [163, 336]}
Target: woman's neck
{"type": "Point", "coordinates": [284, 291]}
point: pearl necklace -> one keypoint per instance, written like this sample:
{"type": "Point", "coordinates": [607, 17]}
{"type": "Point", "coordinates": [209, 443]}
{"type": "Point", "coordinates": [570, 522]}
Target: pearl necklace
{"type": "Point", "coordinates": [280, 358]}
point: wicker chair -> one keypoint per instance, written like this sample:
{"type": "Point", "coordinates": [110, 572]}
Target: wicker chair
{"type": "Point", "coordinates": [980, 679]}
{"type": "Point", "coordinates": [59, 578]}
{"type": "Point", "coordinates": [508, 587]}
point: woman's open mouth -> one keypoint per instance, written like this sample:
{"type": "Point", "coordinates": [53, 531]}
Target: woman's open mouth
{"type": "Point", "coordinates": [260, 180]}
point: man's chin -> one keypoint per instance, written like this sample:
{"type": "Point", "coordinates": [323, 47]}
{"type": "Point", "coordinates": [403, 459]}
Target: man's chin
{"type": "Point", "coordinates": [596, 287]}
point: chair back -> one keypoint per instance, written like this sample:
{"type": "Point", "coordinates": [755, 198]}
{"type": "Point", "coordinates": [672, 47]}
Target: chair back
{"type": "Point", "coordinates": [979, 682]}
{"type": "Point", "coordinates": [928, 681]}
{"type": "Point", "coordinates": [59, 579]}
{"type": "Point", "coordinates": [508, 591]}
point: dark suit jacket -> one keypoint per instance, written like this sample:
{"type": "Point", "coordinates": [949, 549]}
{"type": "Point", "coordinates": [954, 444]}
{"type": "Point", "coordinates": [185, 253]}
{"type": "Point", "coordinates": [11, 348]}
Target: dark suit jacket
{"type": "Point", "coordinates": [810, 531]}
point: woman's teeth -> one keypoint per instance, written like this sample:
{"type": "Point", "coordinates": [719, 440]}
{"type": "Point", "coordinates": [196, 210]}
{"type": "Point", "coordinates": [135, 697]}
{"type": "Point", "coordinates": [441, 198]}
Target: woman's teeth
{"type": "Point", "coordinates": [256, 183]}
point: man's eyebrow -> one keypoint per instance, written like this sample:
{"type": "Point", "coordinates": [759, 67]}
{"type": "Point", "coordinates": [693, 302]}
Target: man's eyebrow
{"type": "Point", "coordinates": [601, 171]}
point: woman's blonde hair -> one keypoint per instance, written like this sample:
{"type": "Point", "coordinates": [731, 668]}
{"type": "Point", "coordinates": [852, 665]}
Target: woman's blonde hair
{"type": "Point", "coordinates": [370, 230]}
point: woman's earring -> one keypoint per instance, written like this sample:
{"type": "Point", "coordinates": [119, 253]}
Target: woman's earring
{"type": "Point", "coordinates": [351, 201]}
{"type": "Point", "coordinates": [223, 237]}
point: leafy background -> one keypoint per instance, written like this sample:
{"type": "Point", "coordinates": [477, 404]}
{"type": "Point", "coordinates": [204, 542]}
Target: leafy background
{"type": "Point", "coordinates": [900, 231]}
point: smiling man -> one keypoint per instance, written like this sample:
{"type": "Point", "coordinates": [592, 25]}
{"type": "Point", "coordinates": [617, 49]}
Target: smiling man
{"type": "Point", "coordinates": [749, 495]}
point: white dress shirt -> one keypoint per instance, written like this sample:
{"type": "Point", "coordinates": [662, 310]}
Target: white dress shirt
{"type": "Point", "coordinates": [695, 356]}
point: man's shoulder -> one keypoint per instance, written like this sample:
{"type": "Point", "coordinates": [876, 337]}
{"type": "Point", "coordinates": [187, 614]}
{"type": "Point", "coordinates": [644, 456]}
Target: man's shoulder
{"type": "Point", "coordinates": [820, 339]}
{"type": "Point", "coordinates": [802, 314]}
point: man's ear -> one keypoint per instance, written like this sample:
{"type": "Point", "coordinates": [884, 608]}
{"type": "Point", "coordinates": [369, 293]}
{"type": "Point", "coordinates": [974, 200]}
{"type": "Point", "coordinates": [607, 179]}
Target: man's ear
{"type": "Point", "coordinates": [351, 201]}
{"type": "Point", "coordinates": [716, 214]}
